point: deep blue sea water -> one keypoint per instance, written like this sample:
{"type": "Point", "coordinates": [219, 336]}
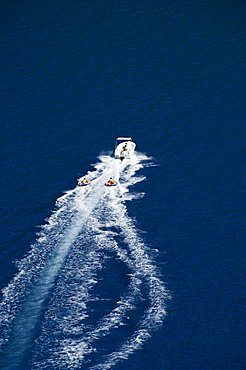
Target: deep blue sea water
{"type": "Point", "coordinates": [74, 76]}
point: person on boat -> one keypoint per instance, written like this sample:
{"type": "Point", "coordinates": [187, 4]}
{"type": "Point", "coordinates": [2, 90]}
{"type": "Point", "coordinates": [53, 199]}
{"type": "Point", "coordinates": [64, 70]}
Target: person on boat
{"type": "Point", "coordinates": [111, 181]}
{"type": "Point", "coordinates": [123, 152]}
{"type": "Point", "coordinates": [84, 181]}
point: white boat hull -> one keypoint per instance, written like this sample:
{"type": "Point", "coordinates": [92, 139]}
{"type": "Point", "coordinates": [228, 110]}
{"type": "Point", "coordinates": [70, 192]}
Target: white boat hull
{"type": "Point", "coordinates": [120, 153]}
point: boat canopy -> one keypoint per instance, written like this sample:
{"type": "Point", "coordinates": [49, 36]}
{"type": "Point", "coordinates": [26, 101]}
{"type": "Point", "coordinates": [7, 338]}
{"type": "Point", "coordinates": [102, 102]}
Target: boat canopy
{"type": "Point", "coordinates": [124, 138]}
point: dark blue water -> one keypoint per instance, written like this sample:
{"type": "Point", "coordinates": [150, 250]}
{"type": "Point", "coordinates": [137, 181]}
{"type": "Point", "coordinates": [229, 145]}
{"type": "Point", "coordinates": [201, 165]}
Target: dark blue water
{"type": "Point", "coordinates": [74, 76]}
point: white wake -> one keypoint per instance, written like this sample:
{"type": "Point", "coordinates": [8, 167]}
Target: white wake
{"type": "Point", "coordinates": [55, 283]}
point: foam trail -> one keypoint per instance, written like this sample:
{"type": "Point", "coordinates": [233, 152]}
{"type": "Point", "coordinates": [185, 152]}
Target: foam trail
{"type": "Point", "coordinates": [90, 226]}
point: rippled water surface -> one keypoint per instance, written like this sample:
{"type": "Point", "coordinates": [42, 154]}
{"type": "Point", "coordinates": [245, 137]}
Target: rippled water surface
{"type": "Point", "coordinates": [148, 274]}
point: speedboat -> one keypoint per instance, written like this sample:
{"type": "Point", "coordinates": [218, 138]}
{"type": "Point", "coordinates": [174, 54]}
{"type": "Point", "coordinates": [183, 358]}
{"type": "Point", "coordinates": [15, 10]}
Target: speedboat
{"type": "Point", "coordinates": [124, 147]}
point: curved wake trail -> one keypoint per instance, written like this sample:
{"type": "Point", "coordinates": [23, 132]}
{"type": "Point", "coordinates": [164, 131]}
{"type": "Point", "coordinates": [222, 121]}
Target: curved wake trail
{"type": "Point", "coordinates": [54, 287]}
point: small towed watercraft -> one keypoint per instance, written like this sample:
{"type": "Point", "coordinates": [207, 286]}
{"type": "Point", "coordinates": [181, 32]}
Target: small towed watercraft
{"type": "Point", "coordinates": [124, 147]}
{"type": "Point", "coordinates": [83, 182]}
{"type": "Point", "coordinates": [111, 182]}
